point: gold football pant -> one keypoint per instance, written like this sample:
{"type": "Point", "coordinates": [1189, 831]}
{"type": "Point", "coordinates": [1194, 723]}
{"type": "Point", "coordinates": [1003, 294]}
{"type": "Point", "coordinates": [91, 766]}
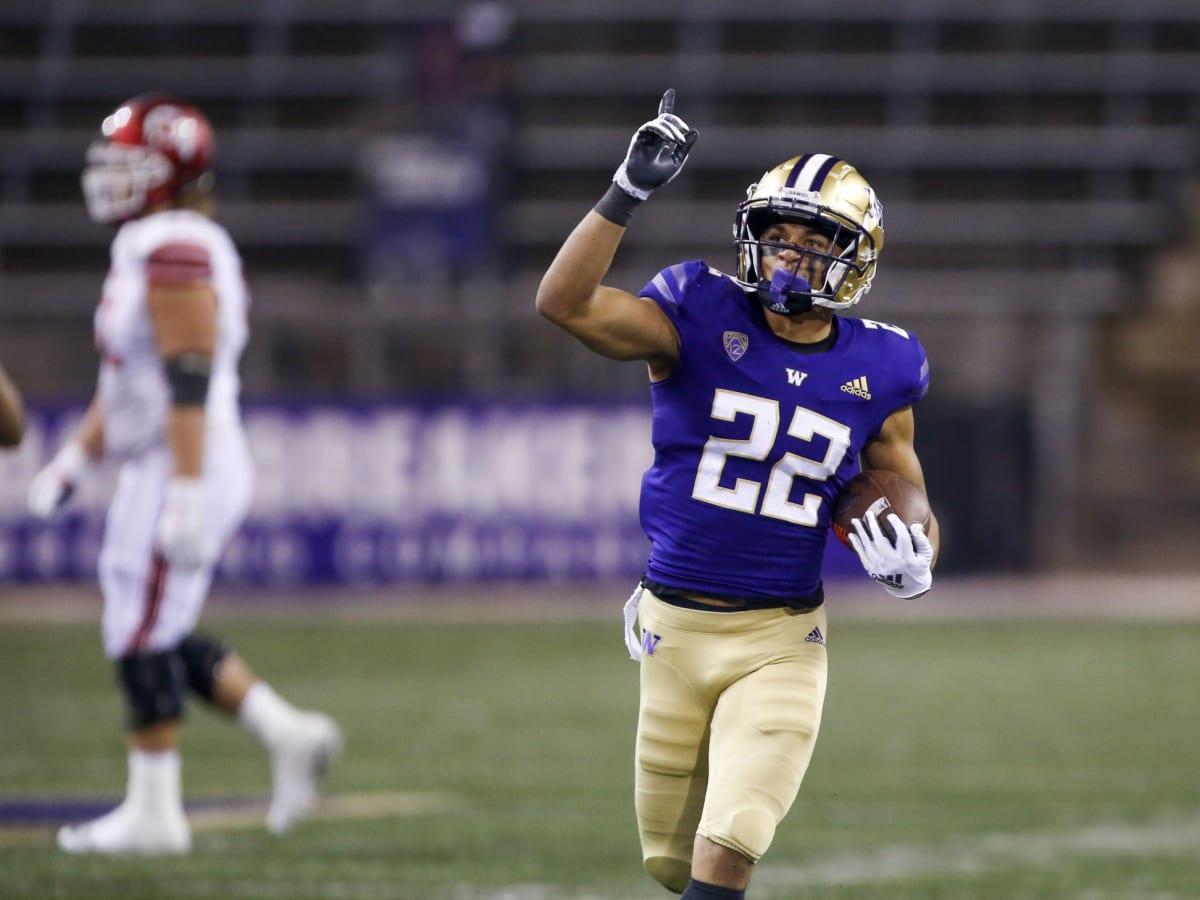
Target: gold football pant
{"type": "Point", "coordinates": [730, 708]}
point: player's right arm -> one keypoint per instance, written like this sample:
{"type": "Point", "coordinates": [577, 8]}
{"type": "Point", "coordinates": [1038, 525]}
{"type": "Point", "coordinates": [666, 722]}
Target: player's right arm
{"type": "Point", "coordinates": [893, 449]}
{"type": "Point", "coordinates": [611, 321]}
{"type": "Point", "coordinates": [903, 567]}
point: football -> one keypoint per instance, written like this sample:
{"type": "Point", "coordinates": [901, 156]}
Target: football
{"type": "Point", "coordinates": [881, 492]}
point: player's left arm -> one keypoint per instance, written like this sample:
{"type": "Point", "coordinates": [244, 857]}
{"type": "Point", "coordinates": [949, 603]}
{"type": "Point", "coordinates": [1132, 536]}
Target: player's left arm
{"type": "Point", "coordinates": [893, 449]}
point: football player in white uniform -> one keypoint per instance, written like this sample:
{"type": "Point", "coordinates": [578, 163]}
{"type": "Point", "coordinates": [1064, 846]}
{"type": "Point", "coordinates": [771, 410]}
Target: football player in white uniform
{"type": "Point", "coordinates": [170, 327]}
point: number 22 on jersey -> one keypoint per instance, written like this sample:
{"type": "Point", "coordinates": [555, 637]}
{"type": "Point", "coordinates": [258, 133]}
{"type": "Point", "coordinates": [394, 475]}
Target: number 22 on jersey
{"type": "Point", "coordinates": [765, 420]}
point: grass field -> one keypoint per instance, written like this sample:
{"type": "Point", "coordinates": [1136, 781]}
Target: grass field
{"type": "Point", "coordinates": [1038, 758]}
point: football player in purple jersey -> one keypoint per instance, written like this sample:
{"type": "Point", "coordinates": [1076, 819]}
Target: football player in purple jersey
{"type": "Point", "coordinates": [765, 401]}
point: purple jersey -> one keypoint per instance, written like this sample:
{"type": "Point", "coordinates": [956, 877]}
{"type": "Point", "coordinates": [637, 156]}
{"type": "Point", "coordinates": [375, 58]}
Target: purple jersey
{"type": "Point", "coordinates": [754, 437]}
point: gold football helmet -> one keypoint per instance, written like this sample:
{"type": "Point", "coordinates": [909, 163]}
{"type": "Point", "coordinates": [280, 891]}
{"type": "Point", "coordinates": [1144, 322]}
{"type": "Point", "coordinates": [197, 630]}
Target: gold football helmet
{"type": "Point", "coordinates": [824, 193]}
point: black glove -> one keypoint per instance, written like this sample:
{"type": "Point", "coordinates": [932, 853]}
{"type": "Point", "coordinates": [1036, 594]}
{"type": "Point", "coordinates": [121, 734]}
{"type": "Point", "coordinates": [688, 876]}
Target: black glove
{"type": "Point", "coordinates": [657, 151]}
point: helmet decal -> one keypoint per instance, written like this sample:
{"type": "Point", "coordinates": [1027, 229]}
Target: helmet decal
{"type": "Point", "coordinates": [810, 170]}
{"type": "Point", "coordinates": [167, 127]}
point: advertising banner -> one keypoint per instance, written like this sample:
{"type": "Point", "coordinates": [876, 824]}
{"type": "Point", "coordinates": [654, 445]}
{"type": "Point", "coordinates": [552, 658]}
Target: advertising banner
{"type": "Point", "coordinates": [378, 493]}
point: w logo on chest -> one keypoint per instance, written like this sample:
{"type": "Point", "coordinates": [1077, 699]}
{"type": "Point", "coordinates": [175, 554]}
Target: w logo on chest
{"type": "Point", "coordinates": [796, 377]}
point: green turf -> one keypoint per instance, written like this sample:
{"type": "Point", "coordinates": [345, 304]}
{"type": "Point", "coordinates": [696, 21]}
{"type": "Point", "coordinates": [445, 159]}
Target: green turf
{"type": "Point", "coordinates": [987, 760]}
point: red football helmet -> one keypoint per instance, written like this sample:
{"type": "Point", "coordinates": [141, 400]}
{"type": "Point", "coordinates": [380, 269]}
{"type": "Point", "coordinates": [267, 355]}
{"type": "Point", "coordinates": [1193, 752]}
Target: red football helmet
{"type": "Point", "coordinates": [149, 149]}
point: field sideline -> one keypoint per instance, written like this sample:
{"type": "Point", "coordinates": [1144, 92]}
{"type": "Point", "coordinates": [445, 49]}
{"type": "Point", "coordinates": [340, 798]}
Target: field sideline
{"type": "Point", "coordinates": [1119, 596]}
{"type": "Point", "coordinates": [999, 739]}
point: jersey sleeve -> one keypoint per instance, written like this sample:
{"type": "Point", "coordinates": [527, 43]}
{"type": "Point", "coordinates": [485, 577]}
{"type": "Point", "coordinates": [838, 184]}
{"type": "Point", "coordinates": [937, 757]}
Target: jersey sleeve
{"type": "Point", "coordinates": [178, 263]}
{"type": "Point", "coordinates": [671, 288]}
{"type": "Point", "coordinates": [894, 363]}
{"type": "Point", "coordinates": [918, 385]}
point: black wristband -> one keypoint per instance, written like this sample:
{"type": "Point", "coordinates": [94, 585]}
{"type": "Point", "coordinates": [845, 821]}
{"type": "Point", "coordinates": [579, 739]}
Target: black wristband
{"type": "Point", "coordinates": [617, 206]}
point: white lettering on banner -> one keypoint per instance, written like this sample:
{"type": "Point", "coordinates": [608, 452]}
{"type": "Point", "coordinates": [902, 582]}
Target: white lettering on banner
{"type": "Point", "coordinates": [270, 436]}
{"type": "Point", "coordinates": [326, 456]}
{"type": "Point", "coordinates": [442, 479]}
{"type": "Point", "coordinates": [465, 552]}
{"type": "Point", "coordinates": [382, 492]}
{"type": "Point", "coordinates": [330, 462]}
{"type": "Point", "coordinates": [562, 465]}
{"type": "Point", "coordinates": [280, 553]}
{"type": "Point", "coordinates": [384, 466]}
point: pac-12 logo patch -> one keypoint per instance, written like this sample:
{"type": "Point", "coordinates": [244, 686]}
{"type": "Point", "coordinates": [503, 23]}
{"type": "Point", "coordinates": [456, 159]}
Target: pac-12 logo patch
{"type": "Point", "coordinates": [736, 344]}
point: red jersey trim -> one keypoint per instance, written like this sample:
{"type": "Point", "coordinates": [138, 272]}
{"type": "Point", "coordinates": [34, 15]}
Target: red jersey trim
{"type": "Point", "coordinates": [179, 263]}
{"type": "Point", "coordinates": [151, 603]}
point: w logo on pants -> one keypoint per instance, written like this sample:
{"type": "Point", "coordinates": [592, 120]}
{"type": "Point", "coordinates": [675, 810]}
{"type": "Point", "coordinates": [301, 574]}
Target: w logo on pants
{"type": "Point", "coordinates": [650, 642]}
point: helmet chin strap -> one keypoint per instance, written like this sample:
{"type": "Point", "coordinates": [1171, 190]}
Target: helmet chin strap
{"type": "Point", "coordinates": [787, 293]}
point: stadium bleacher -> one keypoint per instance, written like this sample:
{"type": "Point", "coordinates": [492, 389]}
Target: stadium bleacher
{"type": "Point", "coordinates": [1030, 157]}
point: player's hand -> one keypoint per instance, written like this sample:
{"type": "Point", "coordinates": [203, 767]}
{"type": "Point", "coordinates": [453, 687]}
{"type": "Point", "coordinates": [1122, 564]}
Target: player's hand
{"type": "Point", "coordinates": [656, 152]}
{"type": "Point", "coordinates": [181, 536]}
{"type": "Point", "coordinates": [53, 486]}
{"type": "Point", "coordinates": [904, 568]}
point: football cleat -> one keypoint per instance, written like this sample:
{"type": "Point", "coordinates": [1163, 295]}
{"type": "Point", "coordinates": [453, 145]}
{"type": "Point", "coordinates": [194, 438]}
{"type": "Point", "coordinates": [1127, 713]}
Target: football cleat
{"type": "Point", "coordinates": [127, 830]}
{"type": "Point", "coordinates": [297, 764]}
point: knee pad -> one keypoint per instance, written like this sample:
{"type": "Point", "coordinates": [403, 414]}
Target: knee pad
{"type": "Point", "coordinates": [749, 831]}
{"type": "Point", "coordinates": [201, 657]}
{"type": "Point", "coordinates": [153, 685]}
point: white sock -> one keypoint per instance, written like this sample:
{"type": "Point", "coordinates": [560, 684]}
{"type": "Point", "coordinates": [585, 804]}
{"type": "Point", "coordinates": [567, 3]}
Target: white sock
{"type": "Point", "coordinates": [155, 781]}
{"type": "Point", "coordinates": [266, 715]}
